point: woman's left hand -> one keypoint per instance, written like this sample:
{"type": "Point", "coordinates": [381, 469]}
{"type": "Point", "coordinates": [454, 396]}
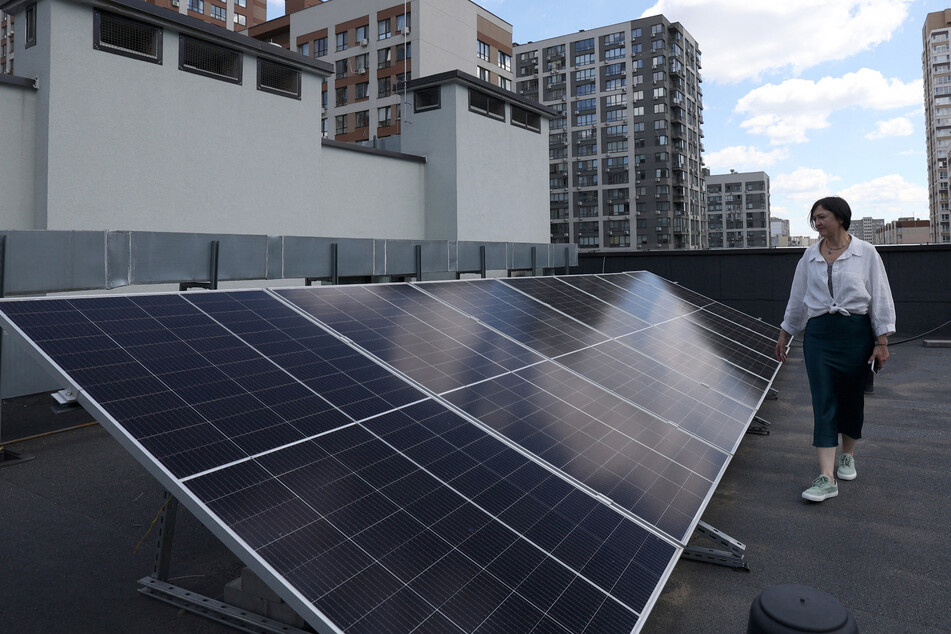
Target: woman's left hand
{"type": "Point", "coordinates": [879, 356]}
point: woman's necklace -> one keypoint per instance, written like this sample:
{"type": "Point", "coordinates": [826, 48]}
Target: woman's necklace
{"type": "Point", "coordinates": [831, 249]}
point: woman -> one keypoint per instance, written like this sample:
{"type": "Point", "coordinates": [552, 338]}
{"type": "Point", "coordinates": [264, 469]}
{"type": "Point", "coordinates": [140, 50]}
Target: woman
{"type": "Point", "coordinates": [841, 298]}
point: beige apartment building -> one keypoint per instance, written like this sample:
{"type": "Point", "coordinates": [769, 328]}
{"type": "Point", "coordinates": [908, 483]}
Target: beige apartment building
{"type": "Point", "coordinates": [738, 210]}
{"type": "Point", "coordinates": [904, 231]}
{"type": "Point", "coordinates": [936, 73]}
{"type": "Point", "coordinates": [377, 46]}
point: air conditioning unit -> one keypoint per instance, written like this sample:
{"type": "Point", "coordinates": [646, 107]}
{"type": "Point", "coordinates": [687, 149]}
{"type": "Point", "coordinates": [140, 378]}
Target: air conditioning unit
{"type": "Point", "coordinates": [577, 112]}
{"type": "Point", "coordinates": [174, 3]}
{"type": "Point", "coordinates": [361, 71]}
{"type": "Point", "coordinates": [406, 31]}
{"type": "Point", "coordinates": [364, 42]}
{"type": "Point", "coordinates": [564, 99]}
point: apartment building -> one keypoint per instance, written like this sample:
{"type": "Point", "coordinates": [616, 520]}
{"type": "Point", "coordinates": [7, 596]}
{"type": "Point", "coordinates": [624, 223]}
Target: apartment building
{"type": "Point", "coordinates": [625, 155]}
{"type": "Point", "coordinates": [377, 46]}
{"type": "Point", "coordinates": [936, 72]}
{"type": "Point", "coordinates": [867, 228]}
{"type": "Point", "coordinates": [738, 210]}
{"type": "Point", "coordinates": [904, 231]}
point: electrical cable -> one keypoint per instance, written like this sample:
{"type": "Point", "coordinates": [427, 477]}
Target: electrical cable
{"type": "Point", "coordinates": [49, 433]}
{"type": "Point", "coordinates": [152, 525]}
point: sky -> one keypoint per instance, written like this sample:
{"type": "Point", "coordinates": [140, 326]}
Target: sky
{"type": "Point", "coordinates": [825, 96]}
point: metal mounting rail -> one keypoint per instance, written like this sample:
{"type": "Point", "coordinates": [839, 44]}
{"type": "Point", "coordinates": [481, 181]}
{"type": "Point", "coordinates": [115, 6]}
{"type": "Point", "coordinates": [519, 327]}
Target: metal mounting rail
{"type": "Point", "coordinates": [733, 557]}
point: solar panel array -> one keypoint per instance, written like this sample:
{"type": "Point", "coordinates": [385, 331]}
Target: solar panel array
{"type": "Point", "coordinates": [527, 454]}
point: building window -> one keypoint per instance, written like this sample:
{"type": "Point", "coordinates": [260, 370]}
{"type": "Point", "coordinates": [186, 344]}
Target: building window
{"type": "Point", "coordinates": [304, 49]}
{"type": "Point", "coordinates": [30, 25]}
{"type": "Point", "coordinates": [362, 119]}
{"type": "Point", "coordinates": [340, 124]}
{"type": "Point", "coordinates": [341, 65]}
{"type": "Point", "coordinates": [384, 57]}
{"type": "Point", "coordinates": [525, 119]}
{"type": "Point", "coordinates": [505, 61]}
{"type": "Point", "coordinates": [360, 63]}
{"type": "Point", "coordinates": [483, 50]}
{"type": "Point", "coordinates": [278, 79]}
{"type": "Point", "coordinates": [211, 60]}
{"type": "Point", "coordinates": [363, 33]}
{"type": "Point", "coordinates": [323, 127]}
{"type": "Point", "coordinates": [404, 51]}
{"type": "Point", "coordinates": [426, 99]}
{"type": "Point", "coordinates": [383, 27]}
{"type": "Point", "coordinates": [320, 47]}
{"type": "Point", "coordinates": [384, 87]}
{"type": "Point", "coordinates": [198, 6]}
{"type": "Point", "coordinates": [240, 3]}
{"type": "Point", "coordinates": [486, 104]}
{"type": "Point", "coordinates": [220, 13]}
{"type": "Point", "coordinates": [341, 96]}
{"type": "Point", "coordinates": [403, 22]}
{"type": "Point", "coordinates": [240, 20]}
{"type": "Point", "coordinates": [505, 83]}
{"type": "Point", "coordinates": [323, 97]}
{"type": "Point", "coordinates": [384, 116]}
{"type": "Point", "coordinates": [363, 90]}
{"type": "Point", "coordinates": [124, 36]}
{"type": "Point", "coordinates": [342, 41]}
{"type": "Point", "coordinates": [656, 29]}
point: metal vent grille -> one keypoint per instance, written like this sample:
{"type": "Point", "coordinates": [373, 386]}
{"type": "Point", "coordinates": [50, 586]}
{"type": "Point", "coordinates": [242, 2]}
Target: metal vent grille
{"type": "Point", "coordinates": [212, 60]}
{"type": "Point", "coordinates": [124, 36]}
{"type": "Point", "coordinates": [279, 79]}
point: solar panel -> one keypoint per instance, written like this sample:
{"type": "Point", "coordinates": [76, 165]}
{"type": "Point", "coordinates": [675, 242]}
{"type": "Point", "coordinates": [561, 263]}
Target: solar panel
{"type": "Point", "coordinates": [527, 455]}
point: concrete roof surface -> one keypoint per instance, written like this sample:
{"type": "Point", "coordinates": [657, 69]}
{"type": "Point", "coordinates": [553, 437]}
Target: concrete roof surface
{"type": "Point", "coordinates": [70, 520]}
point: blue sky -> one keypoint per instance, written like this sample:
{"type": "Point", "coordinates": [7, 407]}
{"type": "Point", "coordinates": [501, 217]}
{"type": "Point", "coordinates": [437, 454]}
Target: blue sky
{"type": "Point", "coordinates": [824, 95]}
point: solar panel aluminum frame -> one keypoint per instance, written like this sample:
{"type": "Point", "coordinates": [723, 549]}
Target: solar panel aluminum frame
{"type": "Point", "coordinates": [174, 486]}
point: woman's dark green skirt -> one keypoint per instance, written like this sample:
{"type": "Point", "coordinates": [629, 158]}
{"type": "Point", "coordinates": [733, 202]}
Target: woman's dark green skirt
{"type": "Point", "coordinates": [836, 348]}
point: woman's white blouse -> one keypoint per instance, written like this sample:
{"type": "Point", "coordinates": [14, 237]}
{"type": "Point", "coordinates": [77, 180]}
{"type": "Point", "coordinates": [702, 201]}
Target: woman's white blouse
{"type": "Point", "coordinates": [858, 281]}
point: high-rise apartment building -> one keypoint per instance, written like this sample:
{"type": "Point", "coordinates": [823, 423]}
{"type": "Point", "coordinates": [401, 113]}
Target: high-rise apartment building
{"type": "Point", "coordinates": [936, 72]}
{"type": "Point", "coordinates": [377, 46]}
{"type": "Point", "coordinates": [625, 156]}
{"type": "Point", "coordinates": [867, 228]}
{"type": "Point", "coordinates": [738, 210]}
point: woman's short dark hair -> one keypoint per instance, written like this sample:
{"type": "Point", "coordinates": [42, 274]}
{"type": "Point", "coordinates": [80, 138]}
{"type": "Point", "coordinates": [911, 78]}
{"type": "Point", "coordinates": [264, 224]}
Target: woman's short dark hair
{"type": "Point", "coordinates": [835, 205]}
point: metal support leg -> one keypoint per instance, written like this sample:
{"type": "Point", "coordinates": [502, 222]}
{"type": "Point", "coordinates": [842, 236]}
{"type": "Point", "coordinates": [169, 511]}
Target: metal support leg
{"type": "Point", "coordinates": [212, 283]}
{"type": "Point", "coordinates": [733, 557]}
{"type": "Point", "coordinates": [534, 265]}
{"type": "Point", "coordinates": [418, 257]}
{"type": "Point", "coordinates": [334, 275]}
{"type": "Point", "coordinates": [772, 394]}
{"type": "Point", "coordinates": [165, 536]}
{"type": "Point", "coordinates": [482, 260]}
{"type": "Point", "coordinates": [759, 426]}
{"type": "Point", "coordinates": [567, 260]}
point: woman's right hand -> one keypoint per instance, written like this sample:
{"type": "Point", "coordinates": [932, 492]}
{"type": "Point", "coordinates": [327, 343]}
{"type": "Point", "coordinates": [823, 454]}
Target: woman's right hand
{"type": "Point", "coordinates": [781, 343]}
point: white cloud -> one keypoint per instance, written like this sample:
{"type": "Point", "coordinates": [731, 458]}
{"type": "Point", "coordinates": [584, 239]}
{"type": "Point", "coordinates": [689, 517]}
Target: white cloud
{"type": "Point", "coordinates": [743, 158]}
{"type": "Point", "coordinates": [889, 197]}
{"type": "Point", "coordinates": [745, 40]}
{"type": "Point", "coordinates": [899, 126]}
{"type": "Point", "coordinates": [786, 112]}
{"type": "Point", "coordinates": [804, 185]}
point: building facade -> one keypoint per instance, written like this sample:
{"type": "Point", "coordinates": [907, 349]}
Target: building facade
{"type": "Point", "coordinates": [738, 210]}
{"type": "Point", "coordinates": [904, 231]}
{"type": "Point", "coordinates": [6, 44]}
{"type": "Point", "coordinates": [130, 166]}
{"type": "Point", "coordinates": [936, 72]}
{"type": "Point", "coordinates": [377, 46]}
{"type": "Point", "coordinates": [867, 228]}
{"type": "Point", "coordinates": [625, 154]}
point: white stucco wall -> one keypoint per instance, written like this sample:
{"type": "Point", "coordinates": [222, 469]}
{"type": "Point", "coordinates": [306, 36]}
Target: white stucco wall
{"type": "Point", "coordinates": [488, 179]}
{"type": "Point", "coordinates": [370, 196]}
{"type": "Point", "coordinates": [136, 145]}
{"type": "Point", "coordinates": [18, 145]}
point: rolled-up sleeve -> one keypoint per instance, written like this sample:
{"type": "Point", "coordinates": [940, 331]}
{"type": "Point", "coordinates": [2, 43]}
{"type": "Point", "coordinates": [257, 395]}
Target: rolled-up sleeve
{"type": "Point", "coordinates": [881, 309]}
{"type": "Point", "coordinates": [794, 320]}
